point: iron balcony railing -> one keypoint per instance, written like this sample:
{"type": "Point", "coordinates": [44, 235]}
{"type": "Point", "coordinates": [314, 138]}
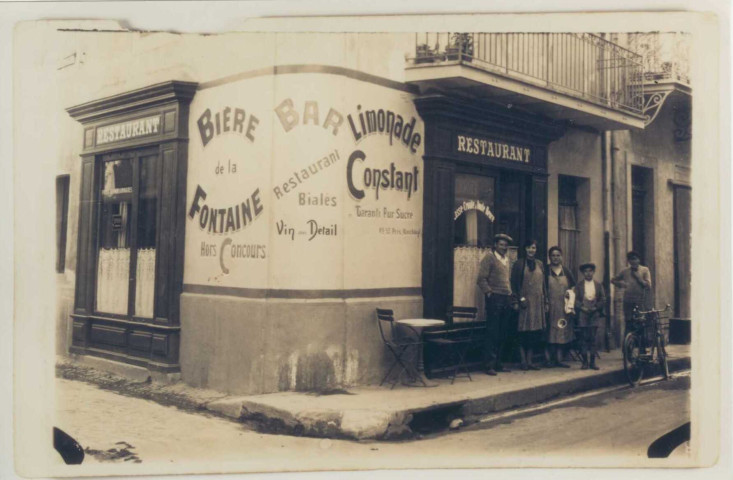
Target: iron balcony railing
{"type": "Point", "coordinates": [582, 65]}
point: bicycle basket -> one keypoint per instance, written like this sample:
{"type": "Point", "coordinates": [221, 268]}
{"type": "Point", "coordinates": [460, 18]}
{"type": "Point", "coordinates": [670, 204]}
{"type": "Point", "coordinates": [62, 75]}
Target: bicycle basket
{"type": "Point", "coordinates": [663, 324]}
{"type": "Point", "coordinates": [656, 321]}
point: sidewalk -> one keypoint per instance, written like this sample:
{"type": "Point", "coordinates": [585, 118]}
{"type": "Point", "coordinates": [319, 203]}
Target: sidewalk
{"type": "Point", "coordinates": [374, 412]}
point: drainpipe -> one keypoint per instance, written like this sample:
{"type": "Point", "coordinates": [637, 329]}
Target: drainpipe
{"type": "Point", "coordinates": [617, 208]}
{"type": "Point", "coordinates": [607, 174]}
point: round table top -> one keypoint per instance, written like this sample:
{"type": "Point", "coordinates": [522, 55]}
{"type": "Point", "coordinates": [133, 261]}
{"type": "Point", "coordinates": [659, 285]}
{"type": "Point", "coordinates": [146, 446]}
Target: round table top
{"type": "Point", "coordinates": [421, 322]}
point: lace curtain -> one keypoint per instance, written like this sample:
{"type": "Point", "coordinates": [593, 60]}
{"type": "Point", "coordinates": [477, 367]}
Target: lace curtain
{"type": "Point", "coordinates": [145, 282]}
{"type": "Point", "coordinates": [113, 273]}
{"type": "Point", "coordinates": [466, 262]}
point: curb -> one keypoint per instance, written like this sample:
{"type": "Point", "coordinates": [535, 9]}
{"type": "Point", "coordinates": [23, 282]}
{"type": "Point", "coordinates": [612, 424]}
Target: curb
{"type": "Point", "coordinates": [526, 397]}
{"type": "Point", "coordinates": [400, 424]}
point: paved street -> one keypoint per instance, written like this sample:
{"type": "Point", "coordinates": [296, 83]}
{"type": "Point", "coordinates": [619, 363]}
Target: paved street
{"type": "Point", "coordinates": [139, 434]}
{"type": "Point", "coordinates": [622, 422]}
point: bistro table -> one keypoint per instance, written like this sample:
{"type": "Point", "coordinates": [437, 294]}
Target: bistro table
{"type": "Point", "coordinates": [417, 325]}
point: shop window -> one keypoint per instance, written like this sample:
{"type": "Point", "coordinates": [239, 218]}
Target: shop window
{"type": "Point", "coordinates": [62, 217]}
{"type": "Point", "coordinates": [127, 239]}
{"type": "Point", "coordinates": [509, 210]}
{"type": "Point", "coordinates": [473, 227]}
{"type": "Point", "coordinates": [568, 221]}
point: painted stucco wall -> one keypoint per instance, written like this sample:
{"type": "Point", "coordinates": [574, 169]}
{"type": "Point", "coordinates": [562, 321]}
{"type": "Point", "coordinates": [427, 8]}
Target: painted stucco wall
{"type": "Point", "coordinates": [578, 154]}
{"type": "Point", "coordinates": [291, 293]}
{"type": "Point", "coordinates": [669, 159]}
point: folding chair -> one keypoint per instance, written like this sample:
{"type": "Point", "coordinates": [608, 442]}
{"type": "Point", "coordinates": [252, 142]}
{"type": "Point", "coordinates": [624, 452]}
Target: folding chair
{"type": "Point", "coordinates": [398, 346]}
{"type": "Point", "coordinates": [576, 346]}
{"type": "Point", "coordinates": [459, 341]}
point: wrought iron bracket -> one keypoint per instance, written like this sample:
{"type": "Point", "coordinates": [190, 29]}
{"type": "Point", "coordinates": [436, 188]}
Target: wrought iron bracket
{"type": "Point", "coordinates": [652, 105]}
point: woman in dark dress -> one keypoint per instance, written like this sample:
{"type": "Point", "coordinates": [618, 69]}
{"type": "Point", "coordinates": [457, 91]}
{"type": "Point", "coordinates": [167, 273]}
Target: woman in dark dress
{"type": "Point", "coordinates": [559, 322]}
{"type": "Point", "coordinates": [528, 286]}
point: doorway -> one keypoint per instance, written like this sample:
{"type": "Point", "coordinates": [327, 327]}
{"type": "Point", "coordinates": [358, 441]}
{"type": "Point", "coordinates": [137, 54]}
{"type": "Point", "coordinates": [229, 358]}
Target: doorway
{"type": "Point", "coordinates": [484, 205]}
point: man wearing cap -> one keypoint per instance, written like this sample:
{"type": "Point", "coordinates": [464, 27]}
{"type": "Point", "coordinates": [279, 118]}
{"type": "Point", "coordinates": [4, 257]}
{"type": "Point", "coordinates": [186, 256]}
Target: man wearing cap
{"type": "Point", "coordinates": [636, 280]}
{"type": "Point", "coordinates": [590, 303]}
{"type": "Point", "coordinates": [493, 280]}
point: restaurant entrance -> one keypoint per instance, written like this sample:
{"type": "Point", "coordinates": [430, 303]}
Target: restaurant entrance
{"type": "Point", "coordinates": [485, 173]}
{"type": "Point", "coordinates": [129, 272]}
{"type": "Point", "coordinates": [484, 205]}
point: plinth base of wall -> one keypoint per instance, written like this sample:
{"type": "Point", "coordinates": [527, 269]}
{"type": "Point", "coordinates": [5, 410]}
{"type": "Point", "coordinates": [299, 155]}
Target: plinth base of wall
{"type": "Point", "coordinates": [133, 373]}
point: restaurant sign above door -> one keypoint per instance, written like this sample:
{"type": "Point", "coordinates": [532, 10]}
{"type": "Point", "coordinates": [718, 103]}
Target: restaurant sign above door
{"type": "Point", "coordinates": [118, 132]}
{"type": "Point", "coordinates": [483, 147]}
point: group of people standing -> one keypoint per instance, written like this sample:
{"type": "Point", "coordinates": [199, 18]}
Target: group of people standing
{"type": "Point", "coordinates": [545, 305]}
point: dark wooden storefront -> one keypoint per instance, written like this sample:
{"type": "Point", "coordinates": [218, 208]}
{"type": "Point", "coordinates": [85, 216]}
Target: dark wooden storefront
{"type": "Point", "coordinates": [457, 137]}
{"type": "Point", "coordinates": [132, 208]}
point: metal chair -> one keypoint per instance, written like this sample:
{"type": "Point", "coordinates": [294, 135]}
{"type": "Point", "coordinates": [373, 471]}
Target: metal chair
{"type": "Point", "coordinates": [576, 346]}
{"type": "Point", "coordinates": [398, 345]}
{"type": "Point", "coordinates": [458, 340]}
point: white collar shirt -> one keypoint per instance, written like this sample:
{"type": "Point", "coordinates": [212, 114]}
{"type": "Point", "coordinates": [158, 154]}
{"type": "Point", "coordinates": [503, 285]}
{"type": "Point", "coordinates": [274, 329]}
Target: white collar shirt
{"type": "Point", "coordinates": [590, 290]}
{"type": "Point", "coordinates": [502, 258]}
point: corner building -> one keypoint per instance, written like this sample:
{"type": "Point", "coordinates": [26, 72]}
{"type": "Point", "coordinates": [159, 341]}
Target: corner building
{"type": "Point", "coordinates": [238, 205]}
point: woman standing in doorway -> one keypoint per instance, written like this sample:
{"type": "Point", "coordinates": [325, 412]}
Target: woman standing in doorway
{"type": "Point", "coordinates": [559, 329]}
{"type": "Point", "coordinates": [528, 286]}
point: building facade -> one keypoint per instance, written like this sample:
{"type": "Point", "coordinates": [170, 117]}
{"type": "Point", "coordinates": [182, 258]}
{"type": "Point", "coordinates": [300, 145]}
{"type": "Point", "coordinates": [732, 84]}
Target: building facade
{"type": "Point", "coordinates": [233, 208]}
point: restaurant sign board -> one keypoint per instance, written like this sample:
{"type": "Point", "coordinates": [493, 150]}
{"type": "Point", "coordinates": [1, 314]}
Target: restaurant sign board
{"type": "Point", "coordinates": [117, 132]}
{"type": "Point", "coordinates": [484, 147]}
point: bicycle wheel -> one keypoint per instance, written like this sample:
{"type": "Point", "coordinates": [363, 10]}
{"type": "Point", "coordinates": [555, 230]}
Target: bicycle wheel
{"type": "Point", "coordinates": [662, 356]}
{"type": "Point", "coordinates": [633, 364]}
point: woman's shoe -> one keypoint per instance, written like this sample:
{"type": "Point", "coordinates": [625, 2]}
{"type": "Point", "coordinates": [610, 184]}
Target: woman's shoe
{"type": "Point", "coordinates": [533, 367]}
{"type": "Point", "coordinates": [584, 366]}
{"type": "Point", "coordinates": [549, 364]}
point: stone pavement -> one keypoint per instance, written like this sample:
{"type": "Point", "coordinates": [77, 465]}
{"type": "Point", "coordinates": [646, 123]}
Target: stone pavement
{"type": "Point", "coordinates": [373, 412]}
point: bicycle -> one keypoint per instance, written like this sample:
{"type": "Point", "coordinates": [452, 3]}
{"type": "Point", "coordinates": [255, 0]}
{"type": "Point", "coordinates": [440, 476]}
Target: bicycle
{"type": "Point", "coordinates": [646, 335]}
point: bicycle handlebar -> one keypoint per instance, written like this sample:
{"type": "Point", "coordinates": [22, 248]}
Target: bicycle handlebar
{"type": "Point", "coordinates": [645, 312]}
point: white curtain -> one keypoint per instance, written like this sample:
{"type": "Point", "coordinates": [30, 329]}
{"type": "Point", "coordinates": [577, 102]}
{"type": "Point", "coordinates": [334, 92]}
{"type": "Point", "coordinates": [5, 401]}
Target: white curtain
{"type": "Point", "coordinates": [466, 261]}
{"type": "Point", "coordinates": [145, 282]}
{"type": "Point", "coordinates": [471, 227]}
{"type": "Point", "coordinates": [113, 274]}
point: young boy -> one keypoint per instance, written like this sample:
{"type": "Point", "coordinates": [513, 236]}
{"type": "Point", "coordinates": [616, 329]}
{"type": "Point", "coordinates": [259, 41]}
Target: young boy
{"type": "Point", "coordinates": [590, 302]}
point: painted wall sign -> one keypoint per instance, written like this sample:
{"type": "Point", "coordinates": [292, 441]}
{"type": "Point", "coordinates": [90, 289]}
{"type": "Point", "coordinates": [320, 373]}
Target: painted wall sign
{"type": "Point", "coordinates": [118, 132]}
{"type": "Point", "coordinates": [493, 149]}
{"type": "Point", "coordinates": [295, 182]}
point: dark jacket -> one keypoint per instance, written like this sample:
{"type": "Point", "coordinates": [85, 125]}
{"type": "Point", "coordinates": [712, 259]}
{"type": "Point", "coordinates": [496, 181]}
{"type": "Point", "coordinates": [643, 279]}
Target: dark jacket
{"type": "Point", "coordinates": [600, 297]}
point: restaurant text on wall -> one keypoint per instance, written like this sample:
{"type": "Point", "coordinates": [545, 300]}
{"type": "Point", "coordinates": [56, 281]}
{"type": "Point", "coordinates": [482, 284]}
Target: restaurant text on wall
{"type": "Point", "coordinates": [489, 148]}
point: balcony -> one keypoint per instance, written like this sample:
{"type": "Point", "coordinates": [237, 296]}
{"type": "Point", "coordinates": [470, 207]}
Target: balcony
{"type": "Point", "coordinates": [576, 77]}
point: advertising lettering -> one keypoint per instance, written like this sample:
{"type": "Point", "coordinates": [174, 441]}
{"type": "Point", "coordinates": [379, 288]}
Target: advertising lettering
{"type": "Point", "coordinates": [127, 130]}
{"type": "Point", "coordinates": [225, 121]}
{"type": "Point", "coordinates": [477, 205]}
{"type": "Point", "coordinates": [225, 220]}
{"type": "Point", "coordinates": [375, 178]}
{"type": "Point", "coordinates": [487, 148]}
{"type": "Point", "coordinates": [369, 122]}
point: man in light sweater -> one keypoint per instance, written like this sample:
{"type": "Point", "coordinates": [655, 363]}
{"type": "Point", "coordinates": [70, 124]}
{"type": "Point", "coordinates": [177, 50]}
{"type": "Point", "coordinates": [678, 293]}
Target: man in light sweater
{"type": "Point", "coordinates": [493, 280]}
